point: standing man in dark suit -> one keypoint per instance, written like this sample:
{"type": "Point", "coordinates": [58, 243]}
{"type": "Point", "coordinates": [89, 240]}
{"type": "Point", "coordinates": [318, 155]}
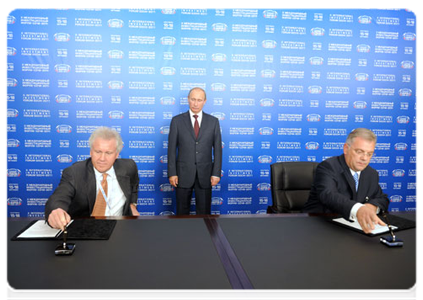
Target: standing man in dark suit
{"type": "Point", "coordinates": [101, 185]}
{"type": "Point", "coordinates": [194, 138]}
{"type": "Point", "coordinates": [347, 185]}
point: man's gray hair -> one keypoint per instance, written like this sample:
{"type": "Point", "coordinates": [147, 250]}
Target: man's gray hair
{"type": "Point", "coordinates": [200, 89]}
{"type": "Point", "coordinates": [106, 133]}
{"type": "Point", "coordinates": [364, 133]}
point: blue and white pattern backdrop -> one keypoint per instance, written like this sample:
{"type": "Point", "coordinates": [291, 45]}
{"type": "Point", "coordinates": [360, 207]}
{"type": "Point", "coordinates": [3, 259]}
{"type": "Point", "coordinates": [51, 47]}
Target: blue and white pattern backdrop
{"type": "Point", "coordinates": [287, 85]}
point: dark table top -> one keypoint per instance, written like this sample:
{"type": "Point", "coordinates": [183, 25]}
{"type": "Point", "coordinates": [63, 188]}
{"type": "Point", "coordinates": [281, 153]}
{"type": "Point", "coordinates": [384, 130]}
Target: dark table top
{"type": "Point", "coordinates": [265, 251]}
{"type": "Point", "coordinates": [140, 254]}
{"type": "Point", "coordinates": [311, 253]}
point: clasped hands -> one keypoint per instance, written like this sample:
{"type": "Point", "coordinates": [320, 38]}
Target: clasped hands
{"type": "Point", "coordinates": [173, 180]}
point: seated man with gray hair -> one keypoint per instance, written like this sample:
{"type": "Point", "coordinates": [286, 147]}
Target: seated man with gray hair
{"type": "Point", "coordinates": [101, 185]}
{"type": "Point", "coordinates": [348, 186]}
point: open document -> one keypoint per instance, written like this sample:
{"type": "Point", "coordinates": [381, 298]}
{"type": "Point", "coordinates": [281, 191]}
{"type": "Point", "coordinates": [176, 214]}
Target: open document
{"type": "Point", "coordinates": [40, 229]}
{"type": "Point", "coordinates": [355, 225]}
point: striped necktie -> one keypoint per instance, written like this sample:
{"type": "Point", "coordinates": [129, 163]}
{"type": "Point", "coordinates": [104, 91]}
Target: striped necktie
{"type": "Point", "coordinates": [100, 203]}
{"type": "Point", "coordinates": [356, 180]}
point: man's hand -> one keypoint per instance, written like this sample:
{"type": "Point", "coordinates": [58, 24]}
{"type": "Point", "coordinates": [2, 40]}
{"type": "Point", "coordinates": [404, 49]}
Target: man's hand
{"type": "Point", "coordinates": [134, 210]}
{"type": "Point", "coordinates": [173, 180]}
{"type": "Point", "coordinates": [367, 218]}
{"type": "Point", "coordinates": [214, 180]}
{"type": "Point", "coordinates": [59, 218]}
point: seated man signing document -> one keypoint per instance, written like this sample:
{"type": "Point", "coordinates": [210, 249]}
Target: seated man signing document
{"type": "Point", "coordinates": [347, 185]}
{"type": "Point", "coordinates": [101, 185]}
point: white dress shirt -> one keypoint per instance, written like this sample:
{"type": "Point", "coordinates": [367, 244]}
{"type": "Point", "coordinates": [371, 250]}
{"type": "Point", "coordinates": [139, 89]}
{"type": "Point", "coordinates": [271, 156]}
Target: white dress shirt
{"type": "Point", "coordinates": [115, 197]}
{"type": "Point", "coordinates": [200, 117]}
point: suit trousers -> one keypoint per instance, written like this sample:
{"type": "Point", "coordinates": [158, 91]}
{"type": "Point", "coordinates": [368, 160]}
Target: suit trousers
{"type": "Point", "coordinates": [202, 199]}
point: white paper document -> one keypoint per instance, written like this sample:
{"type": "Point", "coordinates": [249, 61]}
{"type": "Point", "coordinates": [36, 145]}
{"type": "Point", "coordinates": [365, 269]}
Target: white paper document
{"type": "Point", "coordinates": [40, 229]}
{"type": "Point", "coordinates": [378, 228]}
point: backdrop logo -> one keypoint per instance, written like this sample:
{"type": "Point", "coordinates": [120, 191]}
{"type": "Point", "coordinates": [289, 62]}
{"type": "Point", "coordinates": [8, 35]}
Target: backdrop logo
{"type": "Point", "coordinates": [168, 40]}
{"type": "Point", "coordinates": [364, 19]}
{"type": "Point", "coordinates": [11, 51]}
{"type": "Point", "coordinates": [398, 173]}
{"type": "Point", "coordinates": [61, 37]}
{"type": "Point", "coordinates": [269, 44]}
{"type": "Point", "coordinates": [164, 130]}
{"type": "Point", "coordinates": [360, 104]}
{"type": "Point", "coordinates": [363, 48]}
{"type": "Point", "coordinates": [63, 128]}
{"type": "Point", "coordinates": [115, 54]}
{"type": "Point", "coordinates": [13, 172]}
{"type": "Point", "coordinates": [312, 145]}
{"type": "Point", "coordinates": [64, 158]}
{"type": "Point", "coordinates": [217, 200]}
{"type": "Point", "coordinates": [12, 82]}
{"type": "Point", "coordinates": [263, 186]}
{"type": "Point", "coordinates": [316, 61]}
{"type": "Point", "coordinates": [403, 119]}
{"type": "Point", "coordinates": [12, 113]}
{"type": "Point", "coordinates": [313, 118]}
{"type": "Point", "coordinates": [405, 92]}
{"type": "Point", "coordinates": [14, 201]}
{"type": "Point", "coordinates": [163, 159]}
{"type": "Point", "coordinates": [266, 131]}
{"type": "Point", "coordinates": [11, 20]}
{"type": "Point", "coordinates": [406, 64]}
{"type": "Point", "coordinates": [265, 159]}
{"type": "Point", "coordinates": [219, 115]}
{"type": "Point", "coordinates": [270, 14]}
{"type": "Point", "coordinates": [268, 73]}
{"type": "Point", "coordinates": [115, 85]}
{"type": "Point", "coordinates": [168, 71]}
{"type": "Point", "coordinates": [314, 89]}
{"type": "Point", "coordinates": [409, 36]}
{"type": "Point", "coordinates": [267, 102]}
{"type": "Point", "coordinates": [167, 100]}
{"type": "Point", "coordinates": [116, 114]}
{"type": "Point", "coordinates": [168, 11]}
{"type": "Point", "coordinates": [218, 87]}
{"type": "Point", "coordinates": [62, 98]}
{"type": "Point", "coordinates": [166, 187]}
{"type": "Point", "coordinates": [361, 76]}
{"type": "Point", "coordinates": [317, 31]}
{"type": "Point", "coordinates": [13, 143]}
{"type": "Point", "coordinates": [400, 146]}
{"type": "Point", "coordinates": [395, 198]}
{"type": "Point", "coordinates": [220, 27]}
{"type": "Point", "coordinates": [219, 57]}
{"type": "Point", "coordinates": [62, 68]}
{"type": "Point", "coordinates": [115, 23]}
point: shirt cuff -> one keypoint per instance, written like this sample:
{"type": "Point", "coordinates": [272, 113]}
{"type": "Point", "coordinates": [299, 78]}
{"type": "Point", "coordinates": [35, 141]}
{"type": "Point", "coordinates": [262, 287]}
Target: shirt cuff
{"type": "Point", "coordinates": [354, 209]}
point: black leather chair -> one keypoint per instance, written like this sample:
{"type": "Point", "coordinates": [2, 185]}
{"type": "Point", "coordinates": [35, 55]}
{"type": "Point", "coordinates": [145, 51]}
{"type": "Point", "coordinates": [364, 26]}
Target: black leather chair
{"type": "Point", "coordinates": [291, 183]}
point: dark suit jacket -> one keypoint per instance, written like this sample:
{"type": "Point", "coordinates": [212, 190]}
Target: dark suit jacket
{"type": "Point", "coordinates": [333, 190]}
{"type": "Point", "coordinates": [187, 155]}
{"type": "Point", "coordinates": [76, 192]}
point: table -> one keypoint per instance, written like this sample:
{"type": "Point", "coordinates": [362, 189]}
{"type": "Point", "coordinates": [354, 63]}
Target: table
{"type": "Point", "coordinates": [217, 252]}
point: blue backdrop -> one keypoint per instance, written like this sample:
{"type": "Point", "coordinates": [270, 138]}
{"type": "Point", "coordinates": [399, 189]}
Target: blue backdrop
{"type": "Point", "coordinates": [287, 85]}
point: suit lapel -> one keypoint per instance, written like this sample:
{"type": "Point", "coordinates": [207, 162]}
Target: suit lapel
{"type": "Point", "coordinates": [91, 185]}
{"type": "Point", "coordinates": [363, 185]}
{"type": "Point", "coordinates": [204, 124]}
{"type": "Point", "coordinates": [188, 124]}
{"type": "Point", "coordinates": [124, 180]}
{"type": "Point", "coordinates": [348, 176]}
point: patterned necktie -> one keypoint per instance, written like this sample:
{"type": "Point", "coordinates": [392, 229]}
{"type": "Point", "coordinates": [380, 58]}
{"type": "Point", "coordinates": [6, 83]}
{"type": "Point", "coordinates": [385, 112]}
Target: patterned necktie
{"type": "Point", "coordinates": [100, 203]}
{"type": "Point", "coordinates": [356, 180]}
{"type": "Point", "coordinates": [196, 126]}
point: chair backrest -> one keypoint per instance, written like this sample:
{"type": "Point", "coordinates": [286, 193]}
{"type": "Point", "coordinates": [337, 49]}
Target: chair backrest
{"type": "Point", "coordinates": [291, 183]}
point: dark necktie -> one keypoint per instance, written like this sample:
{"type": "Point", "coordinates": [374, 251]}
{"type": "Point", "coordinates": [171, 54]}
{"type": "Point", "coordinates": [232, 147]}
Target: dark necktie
{"type": "Point", "coordinates": [196, 126]}
{"type": "Point", "coordinates": [100, 203]}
